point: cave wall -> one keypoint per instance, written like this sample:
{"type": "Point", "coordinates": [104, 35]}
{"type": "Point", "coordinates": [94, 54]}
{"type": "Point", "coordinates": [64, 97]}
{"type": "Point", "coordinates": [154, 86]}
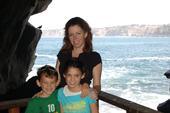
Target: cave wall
{"type": "Point", "coordinates": [19, 40]}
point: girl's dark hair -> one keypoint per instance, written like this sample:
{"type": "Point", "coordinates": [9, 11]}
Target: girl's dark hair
{"type": "Point", "coordinates": [48, 70]}
{"type": "Point", "coordinates": [67, 46]}
{"type": "Point", "coordinates": [75, 63]}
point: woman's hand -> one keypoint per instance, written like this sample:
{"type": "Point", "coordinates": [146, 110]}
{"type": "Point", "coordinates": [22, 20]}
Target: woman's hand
{"type": "Point", "coordinates": [97, 88]}
{"type": "Point", "coordinates": [93, 94]}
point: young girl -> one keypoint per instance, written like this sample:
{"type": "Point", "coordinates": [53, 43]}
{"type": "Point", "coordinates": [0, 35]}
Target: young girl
{"type": "Point", "coordinates": [46, 102]}
{"type": "Point", "coordinates": [69, 96]}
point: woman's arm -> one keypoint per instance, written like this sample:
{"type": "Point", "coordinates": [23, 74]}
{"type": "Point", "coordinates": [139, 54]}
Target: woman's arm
{"type": "Point", "coordinates": [97, 70]}
{"type": "Point", "coordinates": [57, 68]}
{"type": "Point", "coordinates": [57, 65]}
{"type": "Point", "coordinates": [96, 82]}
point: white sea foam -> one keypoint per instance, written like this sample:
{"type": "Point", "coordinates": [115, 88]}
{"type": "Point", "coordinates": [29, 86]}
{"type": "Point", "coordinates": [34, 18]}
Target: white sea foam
{"type": "Point", "coordinates": [164, 58]}
{"type": "Point", "coordinates": [150, 58]}
{"type": "Point", "coordinates": [115, 72]}
{"type": "Point", "coordinates": [31, 74]}
{"type": "Point", "coordinates": [107, 108]}
{"type": "Point", "coordinates": [150, 100]}
{"type": "Point", "coordinates": [47, 56]}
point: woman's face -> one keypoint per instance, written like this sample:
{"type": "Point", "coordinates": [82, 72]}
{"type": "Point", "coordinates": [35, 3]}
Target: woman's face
{"type": "Point", "coordinates": [77, 36]}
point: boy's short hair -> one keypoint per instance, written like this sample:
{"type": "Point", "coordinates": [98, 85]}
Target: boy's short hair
{"type": "Point", "coordinates": [48, 70]}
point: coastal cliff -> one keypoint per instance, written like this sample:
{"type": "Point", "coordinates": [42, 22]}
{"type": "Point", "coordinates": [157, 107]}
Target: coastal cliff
{"type": "Point", "coordinates": [134, 30]}
{"type": "Point", "coordinates": [18, 40]}
{"type": "Point", "coordinates": [126, 30]}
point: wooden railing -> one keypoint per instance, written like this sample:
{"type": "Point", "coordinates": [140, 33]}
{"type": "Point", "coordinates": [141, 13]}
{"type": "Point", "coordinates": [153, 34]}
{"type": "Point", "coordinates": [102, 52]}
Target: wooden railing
{"type": "Point", "coordinates": [13, 106]}
{"type": "Point", "coordinates": [127, 105]}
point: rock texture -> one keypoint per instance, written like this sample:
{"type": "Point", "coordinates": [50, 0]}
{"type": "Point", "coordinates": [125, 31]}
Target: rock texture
{"type": "Point", "coordinates": [18, 40]}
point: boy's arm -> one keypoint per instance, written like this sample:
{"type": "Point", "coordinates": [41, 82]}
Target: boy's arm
{"type": "Point", "coordinates": [94, 108]}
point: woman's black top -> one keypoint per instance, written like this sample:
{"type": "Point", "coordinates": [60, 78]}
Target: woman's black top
{"type": "Point", "coordinates": [89, 59]}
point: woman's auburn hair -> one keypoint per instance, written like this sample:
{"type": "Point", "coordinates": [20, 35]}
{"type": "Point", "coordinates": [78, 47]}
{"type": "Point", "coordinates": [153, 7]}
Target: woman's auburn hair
{"type": "Point", "coordinates": [67, 46]}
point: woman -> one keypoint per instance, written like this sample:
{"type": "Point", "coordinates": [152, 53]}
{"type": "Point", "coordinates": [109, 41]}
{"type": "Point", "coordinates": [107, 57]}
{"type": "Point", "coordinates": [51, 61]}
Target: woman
{"type": "Point", "coordinates": [77, 43]}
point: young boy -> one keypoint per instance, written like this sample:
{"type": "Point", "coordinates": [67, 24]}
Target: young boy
{"type": "Point", "coordinates": [69, 96]}
{"type": "Point", "coordinates": [47, 101]}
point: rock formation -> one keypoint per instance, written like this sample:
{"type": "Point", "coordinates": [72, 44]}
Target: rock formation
{"type": "Point", "coordinates": [18, 40]}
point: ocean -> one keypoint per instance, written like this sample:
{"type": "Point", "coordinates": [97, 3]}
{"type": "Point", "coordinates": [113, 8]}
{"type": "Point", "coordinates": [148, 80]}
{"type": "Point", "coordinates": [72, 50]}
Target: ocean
{"type": "Point", "coordinates": [133, 67]}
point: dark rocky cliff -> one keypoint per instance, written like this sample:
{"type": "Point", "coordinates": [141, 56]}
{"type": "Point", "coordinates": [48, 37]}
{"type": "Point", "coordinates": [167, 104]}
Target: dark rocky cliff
{"type": "Point", "coordinates": [18, 40]}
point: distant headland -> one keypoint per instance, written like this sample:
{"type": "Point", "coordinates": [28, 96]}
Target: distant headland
{"type": "Point", "coordinates": [124, 30]}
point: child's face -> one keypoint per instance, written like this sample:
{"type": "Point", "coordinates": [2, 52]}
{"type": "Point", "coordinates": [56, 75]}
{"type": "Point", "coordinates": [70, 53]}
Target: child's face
{"type": "Point", "coordinates": [48, 84]}
{"type": "Point", "coordinates": [73, 77]}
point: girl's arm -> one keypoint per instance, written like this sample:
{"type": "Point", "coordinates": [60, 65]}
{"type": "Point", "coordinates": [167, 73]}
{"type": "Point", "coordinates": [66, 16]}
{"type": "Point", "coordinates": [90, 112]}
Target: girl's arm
{"type": "Point", "coordinates": [94, 108]}
{"type": "Point", "coordinates": [61, 108]}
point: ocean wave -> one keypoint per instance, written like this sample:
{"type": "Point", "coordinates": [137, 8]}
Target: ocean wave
{"type": "Point", "coordinates": [150, 100]}
{"type": "Point", "coordinates": [107, 108]}
{"type": "Point", "coordinates": [47, 56]}
{"type": "Point", "coordinates": [150, 58]}
{"type": "Point", "coordinates": [164, 58]}
{"type": "Point", "coordinates": [142, 98]}
{"type": "Point", "coordinates": [115, 72]}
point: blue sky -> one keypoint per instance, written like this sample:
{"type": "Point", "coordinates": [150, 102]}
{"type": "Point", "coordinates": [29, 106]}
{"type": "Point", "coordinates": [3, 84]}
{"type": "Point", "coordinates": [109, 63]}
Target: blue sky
{"type": "Point", "coordinates": [104, 13]}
